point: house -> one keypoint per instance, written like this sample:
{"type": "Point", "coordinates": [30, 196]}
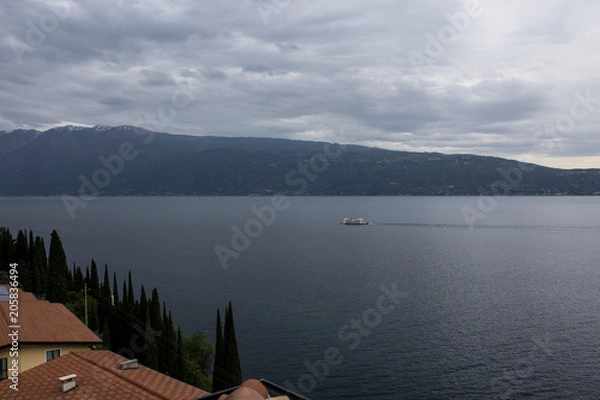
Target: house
{"type": "Point", "coordinates": [33, 332]}
{"type": "Point", "coordinates": [98, 375]}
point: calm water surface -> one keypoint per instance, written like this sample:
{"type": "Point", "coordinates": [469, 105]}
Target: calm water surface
{"type": "Point", "coordinates": [507, 308]}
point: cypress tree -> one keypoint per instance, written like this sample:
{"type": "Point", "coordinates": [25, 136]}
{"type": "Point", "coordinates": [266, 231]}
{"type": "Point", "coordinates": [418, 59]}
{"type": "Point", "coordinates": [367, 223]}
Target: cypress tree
{"type": "Point", "coordinates": [41, 258]}
{"type": "Point", "coordinates": [92, 313]}
{"type": "Point", "coordinates": [70, 285]}
{"type": "Point", "coordinates": [21, 247]}
{"type": "Point", "coordinates": [104, 305]}
{"type": "Point", "coordinates": [231, 355]}
{"type": "Point", "coordinates": [153, 332]}
{"type": "Point", "coordinates": [37, 263]}
{"type": "Point", "coordinates": [113, 320]}
{"type": "Point", "coordinates": [163, 345]}
{"type": "Point", "coordinates": [73, 273]}
{"type": "Point", "coordinates": [31, 246]}
{"type": "Point", "coordinates": [106, 284]}
{"type": "Point", "coordinates": [179, 370]}
{"type": "Point", "coordinates": [36, 274]}
{"type": "Point", "coordinates": [171, 347]}
{"type": "Point", "coordinates": [126, 316]}
{"type": "Point", "coordinates": [57, 271]}
{"type": "Point", "coordinates": [125, 301]}
{"type": "Point", "coordinates": [131, 297]}
{"type": "Point", "coordinates": [115, 291]}
{"type": "Point", "coordinates": [78, 279]}
{"type": "Point", "coordinates": [154, 312]}
{"type": "Point", "coordinates": [217, 379]}
{"type": "Point", "coordinates": [94, 284]}
{"type": "Point", "coordinates": [151, 349]}
{"type": "Point", "coordinates": [142, 325]}
{"type": "Point", "coordinates": [143, 308]}
{"type": "Point", "coordinates": [22, 258]}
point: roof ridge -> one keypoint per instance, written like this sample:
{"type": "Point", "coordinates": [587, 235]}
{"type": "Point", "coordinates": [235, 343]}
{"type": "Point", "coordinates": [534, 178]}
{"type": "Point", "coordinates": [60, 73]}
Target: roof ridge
{"type": "Point", "coordinates": [121, 376]}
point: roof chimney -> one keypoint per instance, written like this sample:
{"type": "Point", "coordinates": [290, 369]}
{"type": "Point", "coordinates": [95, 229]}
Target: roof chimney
{"type": "Point", "coordinates": [130, 364]}
{"type": "Point", "coordinates": [67, 383]}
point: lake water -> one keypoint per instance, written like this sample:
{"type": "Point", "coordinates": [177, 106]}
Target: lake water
{"type": "Point", "coordinates": [507, 308]}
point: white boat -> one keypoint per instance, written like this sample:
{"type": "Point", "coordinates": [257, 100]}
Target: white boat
{"type": "Point", "coordinates": [354, 221]}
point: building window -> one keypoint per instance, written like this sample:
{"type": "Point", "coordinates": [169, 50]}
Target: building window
{"type": "Point", "coordinates": [3, 368]}
{"type": "Point", "coordinates": [52, 354]}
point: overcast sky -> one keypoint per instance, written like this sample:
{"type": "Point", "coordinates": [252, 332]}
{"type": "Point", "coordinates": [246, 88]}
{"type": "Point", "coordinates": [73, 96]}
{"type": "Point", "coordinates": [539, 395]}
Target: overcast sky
{"type": "Point", "coordinates": [511, 78]}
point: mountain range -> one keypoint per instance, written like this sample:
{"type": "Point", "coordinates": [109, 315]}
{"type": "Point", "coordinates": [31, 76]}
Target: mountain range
{"type": "Point", "coordinates": [131, 161]}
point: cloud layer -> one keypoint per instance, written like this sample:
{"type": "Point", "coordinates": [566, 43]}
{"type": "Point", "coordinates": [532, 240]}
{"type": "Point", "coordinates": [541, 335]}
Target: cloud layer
{"type": "Point", "coordinates": [512, 78]}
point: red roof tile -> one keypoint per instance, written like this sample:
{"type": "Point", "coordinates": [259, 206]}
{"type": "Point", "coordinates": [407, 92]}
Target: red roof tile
{"type": "Point", "coordinates": [43, 322]}
{"type": "Point", "coordinates": [99, 377]}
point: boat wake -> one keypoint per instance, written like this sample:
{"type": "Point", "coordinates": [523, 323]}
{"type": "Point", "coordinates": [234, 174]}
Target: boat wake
{"type": "Point", "coordinates": [489, 226]}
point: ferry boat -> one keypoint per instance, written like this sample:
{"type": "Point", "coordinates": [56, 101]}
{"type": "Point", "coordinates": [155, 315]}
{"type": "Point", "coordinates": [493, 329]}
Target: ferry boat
{"type": "Point", "coordinates": [354, 221]}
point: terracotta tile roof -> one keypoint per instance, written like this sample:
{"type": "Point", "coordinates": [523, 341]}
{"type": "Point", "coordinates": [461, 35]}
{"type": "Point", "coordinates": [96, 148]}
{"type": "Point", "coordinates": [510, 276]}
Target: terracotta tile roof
{"type": "Point", "coordinates": [99, 377]}
{"type": "Point", "coordinates": [44, 322]}
{"type": "Point", "coordinates": [274, 391]}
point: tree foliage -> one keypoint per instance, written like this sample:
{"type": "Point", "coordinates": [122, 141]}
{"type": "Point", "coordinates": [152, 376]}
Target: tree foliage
{"type": "Point", "coordinates": [227, 370]}
{"type": "Point", "coordinates": [134, 328]}
{"type": "Point", "coordinates": [57, 271]}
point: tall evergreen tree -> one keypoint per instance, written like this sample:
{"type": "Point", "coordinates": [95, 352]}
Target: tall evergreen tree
{"type": "Point", "coordinates": [106, 284]}
{"type": "Point", "coordinates": [218, 381]}
{"type": "Point", "coordinates": [70, 285]}
{"type": "Point", "coordinates": [143, 308]}
{"type": "Point", "coordinates": [125, 301]}
{"type": "Point", "coordinates": [113, 319]}
{"type": "Point", "coordinates": [151, 349]}
{"type": "Point", "coordinates": [57, 271]}
{"type": "Point", "coordinates": [154, 328]}
{"type": "Point", "coordinates": [94, 284]}
{"type": "Point", "coordinates": [36, 275]}
{"type": "Point", "coordinates": [231, 354]}
{"type": "Point", "coordinates": [131, 297]}
{"type": "Point", "coordinates": [92, 313]}
{"type": "Point", "coordinates": [22, 258]}
{"type": "Point", "coordinates": [78, 279]}
{"type": "Point", "coordinates": [142, 326]}
{"type": "Point", "coordinates": [163, 344]}
{"type": "Point", "coordinates": [171, 346]}
{"type": "Point", "coordinates": [41, 260]}
{"type": "Point", "coordinates": [115, 291]}
{"type": "Point", "coordinates": [154, 312]}
{"type": "Point", "coordinates": [31, 246]}
{"type": "Point", "coordinates": [22, 247]}
{"type": "Point", "coordinates": [179, 369]}
{"type": "Point", "coordinates": [104, 304]}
